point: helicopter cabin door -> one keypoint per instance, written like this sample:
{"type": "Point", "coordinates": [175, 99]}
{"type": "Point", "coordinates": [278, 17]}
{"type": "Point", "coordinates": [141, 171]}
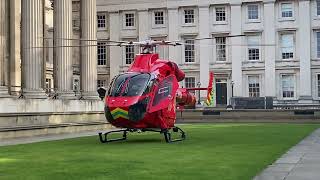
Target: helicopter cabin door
{"type": "Point", "coordinates": [163, 94]}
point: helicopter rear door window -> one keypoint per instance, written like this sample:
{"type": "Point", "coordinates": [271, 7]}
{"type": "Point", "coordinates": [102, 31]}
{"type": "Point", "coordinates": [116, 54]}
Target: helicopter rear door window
{"type": "Point", "coordinates": [164, 93]}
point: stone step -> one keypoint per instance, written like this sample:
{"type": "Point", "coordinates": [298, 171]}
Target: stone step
{"type": "Point", "coordinates": [51, 129]}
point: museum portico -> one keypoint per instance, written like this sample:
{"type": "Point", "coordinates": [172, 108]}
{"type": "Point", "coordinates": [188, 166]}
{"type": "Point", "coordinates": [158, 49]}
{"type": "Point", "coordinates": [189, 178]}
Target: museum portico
{"type": "Point", "coordinates": [22, 56]}
{"type": "Point", "coordinates": [32, 71]}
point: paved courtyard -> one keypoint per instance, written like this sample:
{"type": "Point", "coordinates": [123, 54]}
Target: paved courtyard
{"type": "Point", "coordinates": [301, 162]}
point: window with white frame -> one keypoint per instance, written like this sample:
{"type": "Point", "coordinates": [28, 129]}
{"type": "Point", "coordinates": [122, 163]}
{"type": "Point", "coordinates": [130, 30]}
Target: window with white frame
{"type": "Point", "coordinates": [318, 7]}
{"type": "Point", "coordinates": [101, 83]}
{"type": "Point", "coordinates": [158, 17]}
{"type": "Point", "coordinates": [254, 86]}
{"type": "Point", "coordinates": [286, 10]}
{"type": "Point", "coordinates": [129, 20]}
{"type": "Point", "coordinates": [220, 14]}
{"type": "Point", "coordinates": [189, 51]}
{"type": "Point", "coordinates": [253, 48]}
{"type": "Point", "coordinates": [190, 82]}
{"type": "Point", "coordinates": [318, 43]}
{"type": "Point", "coordinates": [221, 48]}
{"type": "Point", "coordinates": [253, 11]}
{"type": "Point", "coordinates": [318, 84]}
{"type": "Point", "coordinates": [288, 88]}
{"type": "Point", "coordinates": [287, 46]}
{"type": "Point", "coordinates": [101, 18]}
{"type": "Point", "coordinates": [189, 16]}
{"type": "Point", "coordinates": [129, 50]}
{"type": "Point", "coordinates": [102, 54]}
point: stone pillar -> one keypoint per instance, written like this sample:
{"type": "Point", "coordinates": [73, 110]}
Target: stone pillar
{"type": "Point", "coordinates": [15, 47]}
{"type": "Point", "coordinates": [205, 55]}
{"type": "Point", "coordinates": [173, 21]}
{"type": "Point", "coordinates": [32, 58]}
{"type": "Point", "coordinates": [63, 70]}
{"type": "Point", "coordinates": [236, 55]}
{"type": "Point", "coordinates": [3, 47]}
{"type": "Point", "coordinates": [143, 26]}
{"type": "Point", "coordinates": [270, 52]}
{"type": "Point", "coordinates": [115, 52]}
{"type": "Point", "coordinates": [89, 49]}
{"type": "Point", "coordinates": [304, 49]}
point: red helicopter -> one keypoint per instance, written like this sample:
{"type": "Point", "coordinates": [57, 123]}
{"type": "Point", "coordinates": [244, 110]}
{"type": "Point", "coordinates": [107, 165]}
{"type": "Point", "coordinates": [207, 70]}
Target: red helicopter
{"type": "Point", "coordinates": [145, 97]}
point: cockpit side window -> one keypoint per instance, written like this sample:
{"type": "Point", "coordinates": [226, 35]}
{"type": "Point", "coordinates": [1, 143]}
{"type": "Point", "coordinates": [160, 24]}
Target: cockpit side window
{"type": "Point", "coordinates": [111, 86]}
{"type": "Point", "coordinates": [149, 86]}
{"type": "Point", "coordinates": [130, 84]}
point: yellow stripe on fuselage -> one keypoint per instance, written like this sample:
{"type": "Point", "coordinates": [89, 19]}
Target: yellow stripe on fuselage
{"type": "Point", "coordinates": [119, 110]}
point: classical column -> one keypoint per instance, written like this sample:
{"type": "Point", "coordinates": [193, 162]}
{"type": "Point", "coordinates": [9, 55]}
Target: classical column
{"type": "Point", "coordinates": [63, 70]}
{"type": "Point", "coordinates": [304, 51]}
{"type": "Point", "coordinates": [89, 49]}
{"type": "Point", "coordinates": [3, 47]}
{"type": "Point", "coordinates": [205, 55]}
{"type": "Point", "coordinates": [15, 47]}
{"type": "Point", "coordinates": [236, 54]}
{"type": "Point", "coordinates": [115, 52]}
{"type": "Point", "coordinates": [32, 58]}
{"type": "Point", "coordinates": [270, 52]}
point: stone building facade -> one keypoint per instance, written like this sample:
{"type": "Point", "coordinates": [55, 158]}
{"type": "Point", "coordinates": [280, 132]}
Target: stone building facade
{"type": "Point", "coordinates": [279, 56]}
{"type": "Point", "coordinates": [38, 79]}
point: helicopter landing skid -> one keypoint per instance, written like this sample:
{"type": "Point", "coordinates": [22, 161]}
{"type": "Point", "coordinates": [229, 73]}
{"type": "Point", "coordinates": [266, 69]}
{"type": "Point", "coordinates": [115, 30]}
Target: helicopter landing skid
{"type": "Point", "coordinates": [105, 139]}
{"type": "Point", "coordinates": [168, 137]}
{"type": "Point", "coordinates": [166, 132]}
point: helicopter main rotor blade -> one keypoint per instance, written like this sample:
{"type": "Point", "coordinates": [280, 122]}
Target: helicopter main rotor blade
{"type": "Point", "coordinates": [93, 40]}
{"type": "Point", "coordinates": [72, 46]}
{"type": "Point", "coordinates": [240, 35]}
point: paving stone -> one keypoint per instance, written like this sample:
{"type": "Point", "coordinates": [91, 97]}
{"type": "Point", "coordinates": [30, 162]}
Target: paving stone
{"type": "Point", "coordinates": [301, 162]}
{"type": "Point", "coordinates": [280, 168]}
{"type": "Point", "coordinates": [271, 176]}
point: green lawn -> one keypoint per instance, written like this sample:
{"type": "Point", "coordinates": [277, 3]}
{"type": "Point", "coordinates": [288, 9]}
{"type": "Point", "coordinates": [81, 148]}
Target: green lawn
{"type": "Point", "coordinates": [214, 151]}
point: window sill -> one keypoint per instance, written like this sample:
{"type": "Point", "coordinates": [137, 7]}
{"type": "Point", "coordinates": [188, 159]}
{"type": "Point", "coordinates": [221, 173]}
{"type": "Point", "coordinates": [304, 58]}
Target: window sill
{"type": "Point", "coordinates": [189, 25]}
{"type": "Point", "coordinates": [286, 19]}
{"type": "Point", "coordinates": [253, 21]}
{"type": "Point", "coordinates": [129, 28]}
{"type": "Point", "coordinates": [288, 99]}
{"type": "Point", "coordinates": [287, 60]}
{"type": "Point", "coordinates": [221, 62]}
{"type": "Point", "coordinates": [101, 29]}
{"type": "Point", "coordinates": [253, 61]}
{"type": "Point", "coordinates": [158, 26]}
{"type": "Point", "coordinates": [220, 23]}
{"type": "Point", "coordinates": [316, 17]}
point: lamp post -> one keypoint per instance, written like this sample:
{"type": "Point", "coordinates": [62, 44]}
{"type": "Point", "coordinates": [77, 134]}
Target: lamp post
{"type": "Point", "coordinates": [199, 85]}
{"type": "Point", "coordinates": [229, 107]}
{"type": "Point", "coordinates": [232, 83]}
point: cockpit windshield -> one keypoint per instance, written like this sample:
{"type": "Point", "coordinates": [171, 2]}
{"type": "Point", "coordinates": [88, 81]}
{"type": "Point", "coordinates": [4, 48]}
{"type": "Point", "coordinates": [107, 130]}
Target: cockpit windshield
{"type": "Point", "coordinates": [129, 84]}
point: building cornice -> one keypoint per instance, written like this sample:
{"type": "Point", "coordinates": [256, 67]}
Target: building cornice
{"type": "Point", "coordinates": [114, 12]}
{"type": "Point", "coordinates": [269, 1]}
